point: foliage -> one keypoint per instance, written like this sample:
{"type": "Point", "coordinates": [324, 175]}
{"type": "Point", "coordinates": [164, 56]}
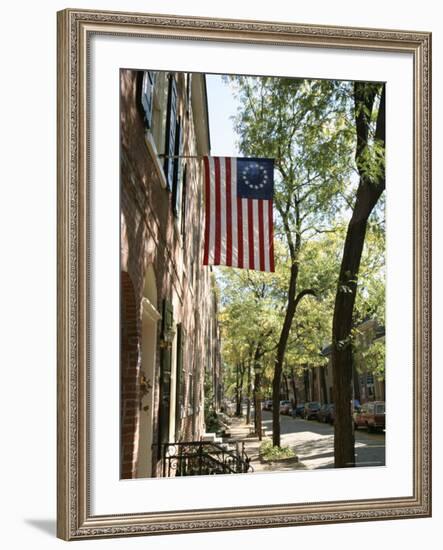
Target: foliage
{"type": "Point", "coordinates": [370, 356]}
{"type": "Point", "coordinates": [304, 126]}
{"type": "Point", "coordinates": [369, 101]}
{"type": "Point", "coordinates": [269, 452]}
{"type": "Point", "coordinates": [308, 127]}
{"type": "Point", "coordinates": [374, 359]}
{"type": "Point", "coordinates": [370, 299]}
{"type": "Point", "coordinates": [246, 318]}
{"type": "Point", "coordinates": [212, 422]}
{"type": "Point", "coordinates": [371, 157]}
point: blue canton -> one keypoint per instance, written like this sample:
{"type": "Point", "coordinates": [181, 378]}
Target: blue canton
{"type": "Point", "coordinates": [255, 178]}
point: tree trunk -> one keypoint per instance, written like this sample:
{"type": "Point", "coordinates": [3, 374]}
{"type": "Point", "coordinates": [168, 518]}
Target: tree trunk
{"type": "Point", "coordinates": [356, 381]}
{"type": "Point", "coordinates": [257, 406]}
{"type": "Point", "coordinates": [237, 389]}
{"type": "Point", "coordinates": [368, 193]}
{"type": "Point", "coordinates": [342, 349]}
{"type": "Point", "coordinates": [257, 395]}
{"type": "Point", "coordinates": [281, 349]}
{"type": "Point", "coordinates": [294, 387]}
{"type": "Point", "coordinates": [314, 396]}
{"type": "Point", "coordinates": [324, 389]}
{"type": "Point", "coordinates": [249, 388]}
{"type": "Point", "coordinates": [306, 382]}
{"type": "Point", "coordinates": [286, 386]}
{"type": "Point", "coordinates": [241, 374]}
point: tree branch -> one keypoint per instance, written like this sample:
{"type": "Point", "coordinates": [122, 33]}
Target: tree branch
{"type": "Point", "coordinates": [300, 295]}
{"type": "Point", "coordinates": [303, 293]}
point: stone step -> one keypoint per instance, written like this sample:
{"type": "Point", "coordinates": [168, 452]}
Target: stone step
{"type": "Point", "coordinates": [211, 437]}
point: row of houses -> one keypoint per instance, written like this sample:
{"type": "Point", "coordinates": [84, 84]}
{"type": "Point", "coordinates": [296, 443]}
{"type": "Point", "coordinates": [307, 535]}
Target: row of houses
{"type": "Point", "coordinates": [315, 383]}
{"type": "Point", "coordinates": [169, 329]}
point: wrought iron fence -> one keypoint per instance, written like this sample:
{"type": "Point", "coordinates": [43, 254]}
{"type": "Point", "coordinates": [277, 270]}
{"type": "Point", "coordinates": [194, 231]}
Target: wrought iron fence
{"type": "Point", "coordinates": [190, 458]}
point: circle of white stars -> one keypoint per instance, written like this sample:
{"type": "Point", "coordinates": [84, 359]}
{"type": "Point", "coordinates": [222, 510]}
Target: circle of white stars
{"type": "Point", "coordinates": [264, 174]}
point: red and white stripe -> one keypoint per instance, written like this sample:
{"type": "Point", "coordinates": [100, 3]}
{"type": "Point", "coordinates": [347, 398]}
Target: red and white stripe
{"type": "Point", "coordinates": [238, 232]}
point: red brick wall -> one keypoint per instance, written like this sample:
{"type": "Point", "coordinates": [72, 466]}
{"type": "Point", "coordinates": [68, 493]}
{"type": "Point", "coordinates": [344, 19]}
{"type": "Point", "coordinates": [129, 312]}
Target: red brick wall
{"type": "Point", "coordinates": [130, 372]}
{"type": "Point", "coordinates": [150, 236]}
{"type": "Point", "coordinates": [145, 212]}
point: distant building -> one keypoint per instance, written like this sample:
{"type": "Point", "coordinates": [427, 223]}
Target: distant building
{"type": "Point", "coordinates": [315, 382]}
{"type": "Point", "coordinates": [367, 385]}
{"type": "Point", "coordinates": [311, 384]}
{"type": "Point", "coordinates": [168, 304]}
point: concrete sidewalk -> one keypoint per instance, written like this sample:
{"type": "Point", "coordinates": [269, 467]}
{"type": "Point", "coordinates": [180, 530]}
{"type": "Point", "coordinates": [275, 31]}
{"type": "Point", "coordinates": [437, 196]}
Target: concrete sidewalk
{"type": "Point", "coordinates": [240, 431]}
{"type": "Point", "coordinates": [311, 441]}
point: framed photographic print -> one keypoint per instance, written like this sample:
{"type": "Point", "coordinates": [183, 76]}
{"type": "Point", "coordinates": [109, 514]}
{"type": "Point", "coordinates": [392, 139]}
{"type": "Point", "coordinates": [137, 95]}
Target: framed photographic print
{"type": "Point", "coordinates": [243, 274]}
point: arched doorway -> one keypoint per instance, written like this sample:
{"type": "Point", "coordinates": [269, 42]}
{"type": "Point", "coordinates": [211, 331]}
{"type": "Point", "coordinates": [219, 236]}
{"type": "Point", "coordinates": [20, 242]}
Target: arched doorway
{"type": "Point", "coordinates": [150, 317]}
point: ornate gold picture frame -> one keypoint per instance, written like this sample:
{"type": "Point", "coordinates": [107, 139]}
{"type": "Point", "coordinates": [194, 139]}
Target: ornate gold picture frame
{"type": "Point", "coordinates": [76, 516]}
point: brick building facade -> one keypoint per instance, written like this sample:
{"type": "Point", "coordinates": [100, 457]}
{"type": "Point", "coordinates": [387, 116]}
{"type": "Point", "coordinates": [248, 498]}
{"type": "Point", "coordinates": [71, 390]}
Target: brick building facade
{"type": "Point", "coordinates": [169, 328]}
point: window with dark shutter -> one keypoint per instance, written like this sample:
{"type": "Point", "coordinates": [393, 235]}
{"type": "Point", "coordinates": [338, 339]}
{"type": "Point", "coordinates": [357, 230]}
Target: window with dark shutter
{"type": "Point", "coordinates": [178, 169]}
{"type": "Point", "coordinates": [179, 399]}
{"type": "Point", "coordinates": [165, 374]}
{"type": "Point", "coordinates": [147, 95]}
{"type": "Point", "coordinates": [171, 131]}
{"type": "Point", "coordinates": [191, 398]}
{"type": "Point", "coordinates": [183, 202]}
{"type": "Point", "coordinates": [188, 93]}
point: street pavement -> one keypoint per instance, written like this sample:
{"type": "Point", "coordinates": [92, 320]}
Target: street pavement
{"type": "Point", "coordinates": [312, 442]}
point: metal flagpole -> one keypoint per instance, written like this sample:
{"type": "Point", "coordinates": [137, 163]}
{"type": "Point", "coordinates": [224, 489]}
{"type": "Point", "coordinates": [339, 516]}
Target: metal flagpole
{"type": "Point", "coordinates": [182, 156]}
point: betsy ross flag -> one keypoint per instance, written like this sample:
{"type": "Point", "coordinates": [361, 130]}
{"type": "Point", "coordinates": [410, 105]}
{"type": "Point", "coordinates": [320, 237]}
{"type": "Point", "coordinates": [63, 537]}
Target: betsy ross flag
{"type": "Point", "coordinates": [238, 212]}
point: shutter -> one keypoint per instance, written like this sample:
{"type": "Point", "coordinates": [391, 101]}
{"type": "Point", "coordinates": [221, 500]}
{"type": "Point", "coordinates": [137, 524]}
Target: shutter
{"type": "Point", "coordinates": [168, 316]}
{"type": "Point", "coordinates": [188, 93]}
{"type": "Point", "coordinates": [171, 118]}
{"type": "Point", "coordinates": [183, 202]}
{"type": "Point", "coordinates": [147, 95]}
{"type": "Point", "coordinates": [179, 386]}
{"type": "Point", "coordinates": [178, 169]}
{"type": "Point", "coordinates": [190, 394]}
{"type": "Point", "coordinates": [165, 376]}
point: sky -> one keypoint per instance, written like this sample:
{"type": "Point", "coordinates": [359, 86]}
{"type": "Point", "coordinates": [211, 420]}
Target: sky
{"type": "Point", "coordinates": [222, 107]}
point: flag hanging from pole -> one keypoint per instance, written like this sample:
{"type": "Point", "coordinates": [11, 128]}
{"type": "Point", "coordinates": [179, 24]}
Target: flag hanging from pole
{"type": "Point", "coordinates": [238, 212]}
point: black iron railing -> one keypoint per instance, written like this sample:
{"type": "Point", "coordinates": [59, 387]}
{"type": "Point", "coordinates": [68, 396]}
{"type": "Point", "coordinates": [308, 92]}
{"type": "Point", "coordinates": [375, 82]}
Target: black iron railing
{"type": "Point", "coordinates": [191, 458]}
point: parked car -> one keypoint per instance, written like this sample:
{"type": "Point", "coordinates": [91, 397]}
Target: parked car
{"type": "Point", "coordinates": [298, 410]}
{"type": "Point", "coordinates": [324, 414]}
{"type": "Point", "coordinates": [267, 405]}
{"type": "Point", "coordinates": [311, 409]}
{"type": "Point", "coordinates": [285, 407]}
{"type": "Point", "coordinates": [371, 416]}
